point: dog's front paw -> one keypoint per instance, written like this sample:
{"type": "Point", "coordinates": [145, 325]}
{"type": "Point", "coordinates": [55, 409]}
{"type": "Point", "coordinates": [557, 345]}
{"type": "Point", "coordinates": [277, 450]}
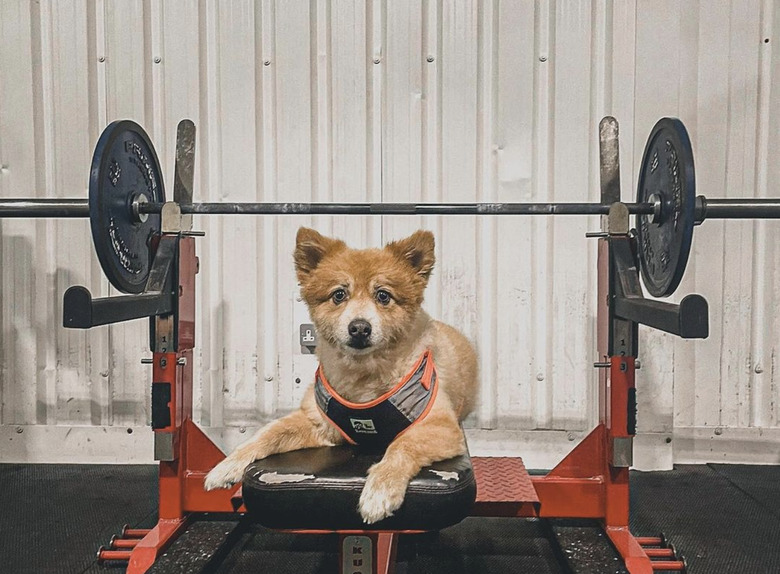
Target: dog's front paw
{"type": "Point", "coordinates": [382, 495]}
{"type": "Point", "coordinates": [226, 473]}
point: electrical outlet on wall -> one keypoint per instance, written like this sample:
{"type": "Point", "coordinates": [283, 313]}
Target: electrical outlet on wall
{"type": "Point", "coordinates": [304, 343]}
{"type": "Point", "coordinates": [308, 338]}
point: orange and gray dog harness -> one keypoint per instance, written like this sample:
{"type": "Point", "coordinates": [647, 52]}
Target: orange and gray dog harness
{"type": "Point", "coordinates": [378, 422]}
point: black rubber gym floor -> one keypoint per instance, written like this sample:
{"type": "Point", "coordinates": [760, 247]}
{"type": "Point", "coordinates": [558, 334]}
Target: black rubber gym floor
{"type": "Point", "coordinates": [722, 518]}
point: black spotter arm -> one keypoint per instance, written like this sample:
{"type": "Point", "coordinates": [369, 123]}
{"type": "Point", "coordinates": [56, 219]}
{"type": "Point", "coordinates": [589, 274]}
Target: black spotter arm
{"type": "Point", "coordinates": [81, 311]}
{"type": "Point", "coordinates": [689, 319]}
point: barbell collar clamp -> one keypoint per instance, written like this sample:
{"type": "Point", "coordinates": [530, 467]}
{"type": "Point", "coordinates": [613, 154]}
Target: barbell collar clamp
{"type": "Point", "coordinates": [655, 200]}
{"type": "Point", "coordinates": [135, 207]}
{"type": "Point", "coordinates": [699, 210]}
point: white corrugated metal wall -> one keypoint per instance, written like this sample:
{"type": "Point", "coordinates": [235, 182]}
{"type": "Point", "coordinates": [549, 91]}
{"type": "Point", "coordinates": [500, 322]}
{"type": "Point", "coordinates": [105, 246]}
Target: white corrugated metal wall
{"type": "Point", "coordinates": [402, 100]}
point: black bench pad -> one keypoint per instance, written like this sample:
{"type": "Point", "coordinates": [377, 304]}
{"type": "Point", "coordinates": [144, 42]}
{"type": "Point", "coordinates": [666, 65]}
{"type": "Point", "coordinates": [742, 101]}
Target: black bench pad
{"type": "Point", "coordinates": [319, 489]}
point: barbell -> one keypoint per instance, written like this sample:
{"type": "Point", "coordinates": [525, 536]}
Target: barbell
{"type": "Point", "coordinates": [126, 196]}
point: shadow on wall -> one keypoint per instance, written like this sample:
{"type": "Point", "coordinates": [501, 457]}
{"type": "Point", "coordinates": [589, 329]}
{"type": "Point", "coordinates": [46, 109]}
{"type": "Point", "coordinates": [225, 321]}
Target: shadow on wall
{"type": "Point", "coordinates": [208, 380]}
{"type": "Point", "coordinates": [227, 385]}
{"type": "Point", "coordinates": [32, 361]}
{"type": "Point", "coordinates": [18, 346]}
{"type": "Point", "coordinates": [46, 371]}
{"type": "Point", "coordinates": [77, 365]}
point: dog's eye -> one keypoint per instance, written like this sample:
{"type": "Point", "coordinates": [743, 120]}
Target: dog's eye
{"type": "Point", "coordinates": [339, 295]}
{"type": "Point", "coordinates": [383, 297]}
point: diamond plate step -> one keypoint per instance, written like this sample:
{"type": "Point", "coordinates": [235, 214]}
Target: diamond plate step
{"type": "Point", "coordinates": [504, 487]}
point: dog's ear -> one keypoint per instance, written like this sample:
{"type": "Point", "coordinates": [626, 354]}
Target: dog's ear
{"type": "Point", "coordinates": [310, 248]}
{"type": "Point", "coordinates": [417, 250]}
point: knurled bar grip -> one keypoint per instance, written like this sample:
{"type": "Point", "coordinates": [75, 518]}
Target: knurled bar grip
{"type": "Point", "coordinates": [399, 208]}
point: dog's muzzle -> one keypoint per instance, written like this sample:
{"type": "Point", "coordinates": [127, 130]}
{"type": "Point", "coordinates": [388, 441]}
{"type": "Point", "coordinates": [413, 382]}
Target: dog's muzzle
{"type": "Point", "coordinates": [359, 334]}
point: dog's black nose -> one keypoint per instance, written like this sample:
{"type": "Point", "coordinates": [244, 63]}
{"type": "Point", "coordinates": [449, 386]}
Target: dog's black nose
{"type": "Point", "coordinates": [359, 329]}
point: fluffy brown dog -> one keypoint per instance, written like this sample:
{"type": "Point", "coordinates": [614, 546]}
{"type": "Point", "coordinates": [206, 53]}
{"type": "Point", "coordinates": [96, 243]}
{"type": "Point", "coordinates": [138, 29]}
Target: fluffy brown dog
{"type": "Point", "coordinates": [366, 308]}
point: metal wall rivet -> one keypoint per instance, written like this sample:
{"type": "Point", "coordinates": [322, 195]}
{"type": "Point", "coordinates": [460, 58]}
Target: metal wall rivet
{"type": "Point", "coordinates": [540, 377]}
{"type": "Point", "coordinates": [269, 378]}
{"type": "Point", "coordinates": [242, 430]}
{"type": "Point", "coordinates": [377, 60]}
{"type": "Point", "coordinates": [542, 58]}
{"type": "Point", "coordinates": [102, 59]}
{"type": "Point", "coordinates": [157, 60]}
{"type": "Point", "coordinates": [431, 58]}
{"type": "Point", "coordinates": [267, 63]}
{"type": "Point", "coordinates": [718, 431]}
{"type": "Point", "coordinates": [19, 430]}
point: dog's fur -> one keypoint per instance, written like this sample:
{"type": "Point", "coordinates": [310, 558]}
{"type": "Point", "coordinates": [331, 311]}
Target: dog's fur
{"type": "Point", "coordinates": [400, 332]}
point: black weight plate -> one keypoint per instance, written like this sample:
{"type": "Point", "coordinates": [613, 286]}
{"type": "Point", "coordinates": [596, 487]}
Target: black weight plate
{"type": "Point", "coordinates": [124, 168]}
{"type": "Point", "coordinates": [666, 171]}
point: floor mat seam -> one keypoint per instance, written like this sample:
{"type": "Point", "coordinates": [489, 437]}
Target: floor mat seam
{"type": "Point", "coordinates": [743, 491]}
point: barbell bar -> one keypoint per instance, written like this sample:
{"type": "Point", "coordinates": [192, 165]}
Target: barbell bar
{"type": "Point", "coordinates": [126, 197]}
{"type": "Point", "coordinates": [74, 208]}
{"type": "Point", "coordinates": [706, 208]}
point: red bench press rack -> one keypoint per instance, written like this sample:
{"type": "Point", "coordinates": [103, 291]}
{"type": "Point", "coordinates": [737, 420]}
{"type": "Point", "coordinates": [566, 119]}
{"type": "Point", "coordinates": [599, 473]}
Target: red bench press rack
{"type": "Point", "coordinates": [592, 481]}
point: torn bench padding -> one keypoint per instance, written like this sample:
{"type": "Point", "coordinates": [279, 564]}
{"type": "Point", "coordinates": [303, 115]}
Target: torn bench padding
{"type": "Point", "coordinates": [276, 478]}
{"type": "Point", "coordinates": [319, 489]}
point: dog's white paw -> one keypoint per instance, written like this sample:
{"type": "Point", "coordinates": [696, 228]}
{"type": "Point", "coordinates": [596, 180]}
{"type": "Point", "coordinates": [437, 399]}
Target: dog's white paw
{"type": "Point", "coordinates": [225, 474]}
{"type": "Point", "coordinates": [381, 497]}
